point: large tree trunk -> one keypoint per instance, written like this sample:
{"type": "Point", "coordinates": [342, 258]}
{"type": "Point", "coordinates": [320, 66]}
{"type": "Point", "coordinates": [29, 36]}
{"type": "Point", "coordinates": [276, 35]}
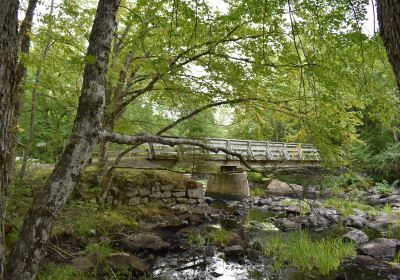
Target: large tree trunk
{"type": "Point", "coordinates": [36, 230]}
{"type": "Point", "coordinates": [8, 66]}
{"type": "Point", "coordinates": [389, 24]}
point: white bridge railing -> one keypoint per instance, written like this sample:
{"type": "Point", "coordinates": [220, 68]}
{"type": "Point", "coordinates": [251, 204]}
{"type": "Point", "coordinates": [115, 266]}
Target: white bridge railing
{"type": "Point", "coordinates": [249, 149]}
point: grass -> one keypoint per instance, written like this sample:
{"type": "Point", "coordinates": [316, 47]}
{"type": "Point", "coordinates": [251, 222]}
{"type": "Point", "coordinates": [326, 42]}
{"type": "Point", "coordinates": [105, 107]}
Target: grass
{"type": "Point", "coordinates": [219, 236]}
{"type": "Point", "coordinates": [299, 250]}
{"type": "Point", "coordinates": [387, 208]}
{"type": "Point", "coordinates": [344, 206]}
{"type": "Point", "coordinates": [85, 216]}
{"type": "Point", "coordinates": [397, 258]}
{"type": "Point", "coordinates": [197, 239]}
{"type": "Point", "coordinates": [55, 272]}
{"type": "Point", "coordinates": [99, 251]}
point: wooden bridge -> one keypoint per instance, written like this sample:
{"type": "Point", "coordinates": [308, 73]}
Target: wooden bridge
{"type": "Point", "coordinates": [258, 154]}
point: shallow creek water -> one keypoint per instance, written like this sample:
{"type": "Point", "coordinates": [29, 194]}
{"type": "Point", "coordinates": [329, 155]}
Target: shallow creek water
{"type": "Point", "coordinates": [196, 265]}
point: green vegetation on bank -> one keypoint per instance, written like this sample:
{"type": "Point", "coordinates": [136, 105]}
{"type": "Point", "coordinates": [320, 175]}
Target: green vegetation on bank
{"type": "Point", "coordinates": [297, 249]}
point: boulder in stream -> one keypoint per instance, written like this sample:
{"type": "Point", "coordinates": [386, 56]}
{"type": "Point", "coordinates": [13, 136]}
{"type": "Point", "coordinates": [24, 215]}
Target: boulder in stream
{"type": "Point", "coordinates": [144, 241]}
{"type": "Point", "coordinates": [380, 248]}
{"type": "Point", "coordinates": [283, 188]}
{"type": "Point", "coordinates": [286, 224]}
{"type": "Point", "coordinates": [357, 236]}
{"type": "Point", "coordinates": [235, 251]}
{"type": "Point", "coordinates": [382, 220]}
{"type": "Point", "coordinates": [355, 221]}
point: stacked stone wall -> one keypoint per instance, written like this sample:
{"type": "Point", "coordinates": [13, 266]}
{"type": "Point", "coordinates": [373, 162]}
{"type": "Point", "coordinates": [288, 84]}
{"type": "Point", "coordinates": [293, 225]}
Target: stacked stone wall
{"type": "Point", "coordinates": [167, 194]}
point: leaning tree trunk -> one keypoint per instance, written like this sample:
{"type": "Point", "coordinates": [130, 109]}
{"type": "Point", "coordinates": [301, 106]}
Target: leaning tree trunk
{"type": "Point", "coordinates": [48, 202]}
{"type": "Point", "coordinates": [8, 66]}
{"type": "Point", "coordinates": [389, 25]}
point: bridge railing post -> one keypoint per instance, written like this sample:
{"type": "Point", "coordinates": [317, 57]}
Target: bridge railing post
{"type": "Point", "coordinates": [286, 155]}
{"type": "Point", "coordinates": [300, 150]}
{"type": "Point", "coordinates": [151, 151]}
{"type": "Point", "coordinates": [249, 151]}
{"type": "Point", "coordinates": [269, 154]}
{"type": "Point", "coordinates": [228, 147]}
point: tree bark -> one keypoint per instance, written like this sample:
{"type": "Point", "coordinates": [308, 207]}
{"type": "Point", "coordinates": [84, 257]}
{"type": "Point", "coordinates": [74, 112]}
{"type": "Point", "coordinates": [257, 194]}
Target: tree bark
{"type": "Point", "coordinates": [24, 40]}
{"type": "Point", "coordinates": [8, 81]}
{"type": "Point", "coordinates": [48, 202]}
{"type": "Point", "coordinates": [389, 26]}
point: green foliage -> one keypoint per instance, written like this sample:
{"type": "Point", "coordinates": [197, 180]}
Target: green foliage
{"type": "Point", "coordinates": [55, 272]}
{"type": "Point", "coordinates": [347, 181]}
{"type": "Point", "coordinates": [255, 177]}
{"type": "Point", "coordinates": [355, 88]}
{"type": "Point", "coordinates": [385, 188]}
{"type": "Point", "coordinates": [219, 236]}
{"type": "Point", "coordinates": [299, 250]}
{"type": "Point", "coordinates": [258, 191]}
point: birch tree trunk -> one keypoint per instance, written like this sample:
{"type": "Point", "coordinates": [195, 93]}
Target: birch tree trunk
{"type": "Point", "coordinates": [36, 230]}
{"type": "Point", "coordinates": [389, 27]}
{"type": "Point", "coordinates": [8, 81]}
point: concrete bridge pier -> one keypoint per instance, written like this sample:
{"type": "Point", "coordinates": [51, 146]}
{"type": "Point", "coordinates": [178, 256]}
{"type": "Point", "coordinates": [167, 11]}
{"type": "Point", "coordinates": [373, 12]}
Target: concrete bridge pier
{"type": "Point", "coordinates": [228, 185]}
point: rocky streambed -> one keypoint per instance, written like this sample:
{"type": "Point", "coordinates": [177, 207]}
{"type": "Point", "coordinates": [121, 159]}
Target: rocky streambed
{"type": "Point", "coordinates": [221, 239]}
{"type": "Point", "coordinates": [254, 219]}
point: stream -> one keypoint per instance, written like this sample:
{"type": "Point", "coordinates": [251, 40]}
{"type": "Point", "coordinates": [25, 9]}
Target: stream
{"type": "Point", "coordinates": [250, 225]}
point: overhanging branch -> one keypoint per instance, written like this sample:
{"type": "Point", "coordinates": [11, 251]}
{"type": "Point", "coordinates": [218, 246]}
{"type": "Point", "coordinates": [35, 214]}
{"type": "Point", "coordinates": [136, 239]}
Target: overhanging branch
{"type": "Point", "coordinates": [145, 138]}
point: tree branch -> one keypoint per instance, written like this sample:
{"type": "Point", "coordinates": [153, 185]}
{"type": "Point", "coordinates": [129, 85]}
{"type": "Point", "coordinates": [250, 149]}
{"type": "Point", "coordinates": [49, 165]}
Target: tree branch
{"type": "Point", "coordinates": [145, 138]}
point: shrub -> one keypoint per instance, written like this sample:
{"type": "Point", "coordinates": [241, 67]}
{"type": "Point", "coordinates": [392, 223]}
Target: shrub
{"type": "Point", "coordinates": [255, 177]}
{"type": "Point", "coordinates": [385, 188]}
{"type": "Point", "coordinates": [347, 181]}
